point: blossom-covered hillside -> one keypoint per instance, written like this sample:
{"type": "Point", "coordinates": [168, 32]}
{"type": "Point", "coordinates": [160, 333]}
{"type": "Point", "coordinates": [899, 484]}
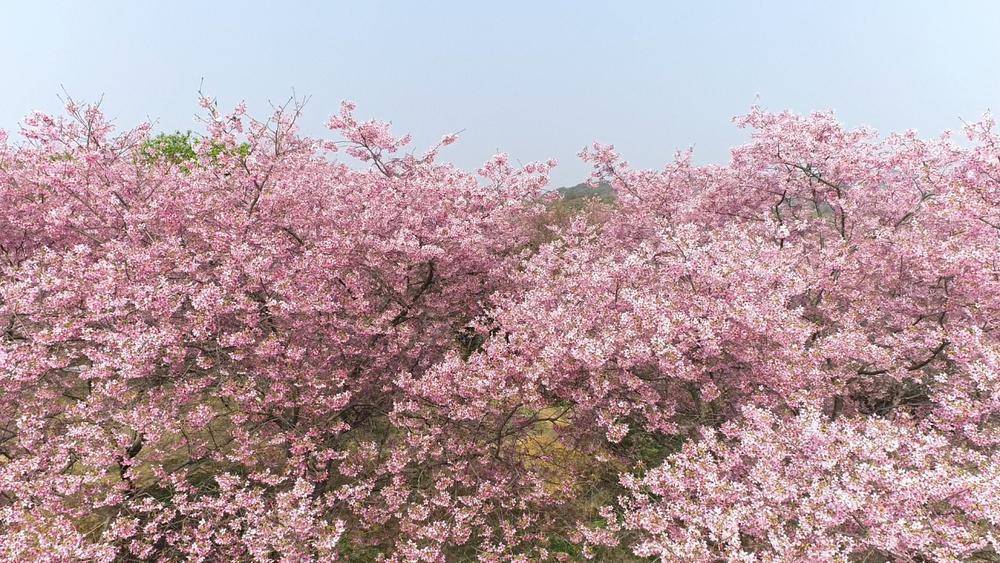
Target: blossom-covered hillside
{"type": "Point", "coordinates": [247, 344]}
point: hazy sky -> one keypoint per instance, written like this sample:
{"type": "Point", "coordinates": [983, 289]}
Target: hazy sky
{"type": "Point", "coordinates": [535, 79]}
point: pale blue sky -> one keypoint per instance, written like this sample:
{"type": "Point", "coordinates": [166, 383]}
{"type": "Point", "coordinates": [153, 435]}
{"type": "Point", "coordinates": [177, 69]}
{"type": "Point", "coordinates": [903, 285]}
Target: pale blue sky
{"type": "Point", "coordinates": [535, 79]}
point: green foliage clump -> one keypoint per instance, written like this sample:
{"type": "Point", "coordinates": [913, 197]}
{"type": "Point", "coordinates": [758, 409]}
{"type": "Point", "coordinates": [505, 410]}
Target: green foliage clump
{"type": "Point", "coordinates": [173, 148]}
{"type": "Point", "coordinates": [180, 149]}
{"type": "Point", "coordinates": [216, 150]}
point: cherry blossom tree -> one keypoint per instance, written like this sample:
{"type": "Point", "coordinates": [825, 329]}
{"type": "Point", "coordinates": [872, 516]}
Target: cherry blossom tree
{"type": "Point", "coordinates": [201, 358]}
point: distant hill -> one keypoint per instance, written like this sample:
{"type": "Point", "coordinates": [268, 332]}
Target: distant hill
{"type": "Point", "coordinates": [603, 192]}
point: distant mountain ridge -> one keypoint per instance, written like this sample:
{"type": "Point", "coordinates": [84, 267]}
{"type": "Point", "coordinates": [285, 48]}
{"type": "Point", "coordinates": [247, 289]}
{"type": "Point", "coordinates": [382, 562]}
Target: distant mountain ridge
{"type": "Point", "coordinates": [603, 192]}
